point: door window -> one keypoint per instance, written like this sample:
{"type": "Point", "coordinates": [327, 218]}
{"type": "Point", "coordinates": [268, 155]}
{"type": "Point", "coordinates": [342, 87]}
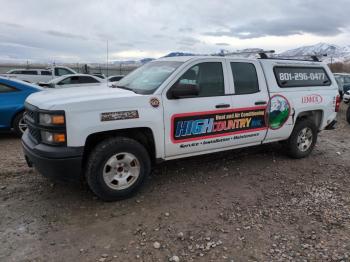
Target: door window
{"type": "Point", "coordinates": [244, 78]}
{"type": "Point", "coordinates": [87, 80]}
{"type": "Point", "coordinates": [209, 77]}
{"type": "Point", "coordinates": [73, 80]}
{"type": "Point", "coordinates": [62, 72]}
{"type": "Point", "coordinates": [45, 73]}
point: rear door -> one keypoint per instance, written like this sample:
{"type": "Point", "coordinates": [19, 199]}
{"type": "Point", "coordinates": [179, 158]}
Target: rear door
{"type": "Point", "coordinates": [249, 100]}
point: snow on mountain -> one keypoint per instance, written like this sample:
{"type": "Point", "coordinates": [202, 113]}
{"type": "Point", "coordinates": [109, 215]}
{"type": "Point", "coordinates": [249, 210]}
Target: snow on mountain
{"type": "Point", "coordinates": [334, 53]}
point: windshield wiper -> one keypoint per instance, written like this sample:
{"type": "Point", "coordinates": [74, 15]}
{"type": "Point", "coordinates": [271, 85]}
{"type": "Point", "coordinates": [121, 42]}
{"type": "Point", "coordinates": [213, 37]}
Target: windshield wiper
{"type": "Point", "coordinates": [124, 87]}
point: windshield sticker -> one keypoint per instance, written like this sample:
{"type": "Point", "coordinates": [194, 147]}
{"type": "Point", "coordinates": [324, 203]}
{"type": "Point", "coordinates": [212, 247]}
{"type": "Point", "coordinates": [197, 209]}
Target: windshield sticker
{"type": "Point", "coordinates": [279, 110]}
{"type": "Point", "coordinates": [203, 125]}
{"type": "Point", "coordinates": [122, 115]}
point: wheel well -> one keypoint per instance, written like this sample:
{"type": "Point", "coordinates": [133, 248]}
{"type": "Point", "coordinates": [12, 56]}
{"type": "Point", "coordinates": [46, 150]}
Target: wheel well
{"type": "Point", "coordinates": [14, 117]}
{"type": "Point", "coordinates": [314, 115]}
{"type": "Point", "coordinates": [143, 135]}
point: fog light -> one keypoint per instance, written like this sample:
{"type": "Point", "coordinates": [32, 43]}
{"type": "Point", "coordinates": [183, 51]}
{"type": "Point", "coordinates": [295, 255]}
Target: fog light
{"type": "Point", "coordinates": [53, 138]}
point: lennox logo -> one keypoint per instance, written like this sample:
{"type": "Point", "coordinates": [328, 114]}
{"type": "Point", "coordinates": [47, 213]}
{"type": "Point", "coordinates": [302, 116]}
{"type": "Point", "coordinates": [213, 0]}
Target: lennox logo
{"type": "Point", "coordinates": [312, 99]}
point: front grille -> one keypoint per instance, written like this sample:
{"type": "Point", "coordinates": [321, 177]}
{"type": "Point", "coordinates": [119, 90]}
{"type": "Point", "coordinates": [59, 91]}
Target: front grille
{"type": "Point", "coordinates": [31, 117]}
{"type": "Point", "coordinates": [35, 134]}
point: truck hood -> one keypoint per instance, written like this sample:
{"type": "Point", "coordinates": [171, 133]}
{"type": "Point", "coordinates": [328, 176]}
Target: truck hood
{"type": "Point", "coordinates": [56, 97]}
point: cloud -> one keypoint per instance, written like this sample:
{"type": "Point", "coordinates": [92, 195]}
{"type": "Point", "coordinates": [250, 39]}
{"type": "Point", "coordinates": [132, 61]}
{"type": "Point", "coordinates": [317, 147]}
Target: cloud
{"type": "Point", "coordinates": [159, 27]}
{"type": "Point", "coordinates": [222, 44]}
{"type": "Point", "coordinates": [188, 41]}
{"type": "Point", "coordinates": [185, 29]}
{"type": "Point", "coordinates": [65, 35]}
{"type": "Point", "coordinates": [282, 27]}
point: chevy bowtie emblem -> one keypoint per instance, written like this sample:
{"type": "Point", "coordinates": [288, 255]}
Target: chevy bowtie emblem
{"type": "Point", "coordinates": [154, 102]}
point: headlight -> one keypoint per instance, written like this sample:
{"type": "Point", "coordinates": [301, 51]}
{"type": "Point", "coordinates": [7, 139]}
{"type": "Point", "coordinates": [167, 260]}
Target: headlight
{"type": "Point", "coordinates": [53, 138]}
{"type": "Point", "coordinates": [51, 119]}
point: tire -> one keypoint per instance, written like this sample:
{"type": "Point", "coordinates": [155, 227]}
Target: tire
{"type": "Point", "coordinates": [117, 168]}
{"type": "Point", "coordinates": [348, 114]}
{"type": "Point", "coordinates": [18, 124]}
{"type": "Point", "coordinates": [299, 144]}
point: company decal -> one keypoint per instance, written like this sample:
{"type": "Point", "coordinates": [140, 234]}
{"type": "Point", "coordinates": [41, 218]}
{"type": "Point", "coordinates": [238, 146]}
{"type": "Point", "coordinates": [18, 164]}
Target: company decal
{"type": "Point", "coordinates": [202, 125]}
{"type": "Point", "coordinates": [279, 110]}
{"type": "Point", "coordinates": [154, 102]}
{"type": "Point", "coordinates": [312, 99]}
{"type": "Point", "coordinates": [121, 115]}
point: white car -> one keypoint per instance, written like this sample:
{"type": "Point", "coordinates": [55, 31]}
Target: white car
{"type": "Point", "coordinates": [39, 75]}
{"type": "Point", "coordinates": [174, 108]}
{"type": "Point", "coordinates": [346, 97]}
{"type": "Point", "coordinates": [76, 80]}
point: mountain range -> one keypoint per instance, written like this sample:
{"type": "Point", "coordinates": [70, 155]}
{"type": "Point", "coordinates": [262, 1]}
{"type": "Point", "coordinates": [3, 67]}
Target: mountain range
{"type": "Point", "coordinates": [334, 53]}
{"type": "Point", "coordinates": [327, 53]}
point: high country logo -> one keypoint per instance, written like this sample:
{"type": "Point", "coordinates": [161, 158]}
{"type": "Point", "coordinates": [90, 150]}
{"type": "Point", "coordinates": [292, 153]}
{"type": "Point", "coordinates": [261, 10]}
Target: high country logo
{"type": "Point", "coordinates": [312, 99]}
{"type": "Point", "coordinates": [202, 125]}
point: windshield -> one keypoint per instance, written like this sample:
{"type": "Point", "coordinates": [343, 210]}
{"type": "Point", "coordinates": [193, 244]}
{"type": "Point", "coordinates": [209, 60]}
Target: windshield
{"type": "Point", "coordinates": [146, 79]}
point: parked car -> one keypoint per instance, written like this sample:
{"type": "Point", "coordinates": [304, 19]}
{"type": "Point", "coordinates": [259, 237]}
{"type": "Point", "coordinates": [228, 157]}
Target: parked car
{"type": "Point", "coordinates": [173, 108]}
{"type": "Point", "coordinates": [39, 75]}
{"type": "Point", "coordinates": [75, 80]}
{"type": "Point", "coordinates": [342, 80]}
{"type": "Point", "coordinates": [12, 96]}
{"type": "Point", "coordinates": [115, 78]}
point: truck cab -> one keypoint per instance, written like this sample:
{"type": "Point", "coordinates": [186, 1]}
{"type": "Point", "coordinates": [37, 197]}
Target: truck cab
{"type": "Point", "coordinates": [39, 75]}
{"type": "Point", "coordinates": [174, 108]}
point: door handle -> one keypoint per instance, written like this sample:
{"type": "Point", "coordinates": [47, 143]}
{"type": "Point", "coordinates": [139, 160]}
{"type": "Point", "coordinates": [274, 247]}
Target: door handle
{"type": "Point", "coordinates": [259, 103]}
{"type": "Point", "coordinates": [222, 106]}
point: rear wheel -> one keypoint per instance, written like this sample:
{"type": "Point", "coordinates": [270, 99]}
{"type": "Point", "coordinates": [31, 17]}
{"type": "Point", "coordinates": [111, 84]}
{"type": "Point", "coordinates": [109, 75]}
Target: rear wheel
{"type": "Point", "coordinates": [303, 139]}
{"type": "Point", "coordinates": [117, 167]}
{"type": "Point", "coordinates": [348, 114]}
{"type": "Point", "coordinates": [19, 124]}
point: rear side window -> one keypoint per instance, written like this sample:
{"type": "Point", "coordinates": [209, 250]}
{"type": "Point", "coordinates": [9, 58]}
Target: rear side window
{"type": "Point", "coordinates": [245, 78]}
{"type": "Point", "coordinates": [62, 72]}
{"type": "Point", "coordinates": [301, 76]}
{"type": "Point", "coordinates": [29, 72]}
{"type": "Point", "coordinates": [6, 89]}
{"type": "Point", "coordinates": [45, 73]}
{"type": "Point", "coordinates": [87, 80]}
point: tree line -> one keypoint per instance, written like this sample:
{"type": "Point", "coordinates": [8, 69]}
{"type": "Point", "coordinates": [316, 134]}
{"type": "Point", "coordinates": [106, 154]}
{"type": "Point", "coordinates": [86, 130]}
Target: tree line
{"type": "Point", "coordinates": [340, 67]}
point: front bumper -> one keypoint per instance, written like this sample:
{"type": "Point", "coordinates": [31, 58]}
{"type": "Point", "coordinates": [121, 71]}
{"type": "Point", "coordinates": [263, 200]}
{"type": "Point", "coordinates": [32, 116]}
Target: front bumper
{"type": "Point", "coordinates": [61, 163]}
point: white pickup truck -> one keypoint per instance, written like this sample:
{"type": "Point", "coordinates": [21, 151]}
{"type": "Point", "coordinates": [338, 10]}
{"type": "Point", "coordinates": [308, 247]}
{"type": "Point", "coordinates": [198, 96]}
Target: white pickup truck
{"type": "Point", "coordinates": [174, 108]}
{"type": "Point", "coordinates": [39, 75]}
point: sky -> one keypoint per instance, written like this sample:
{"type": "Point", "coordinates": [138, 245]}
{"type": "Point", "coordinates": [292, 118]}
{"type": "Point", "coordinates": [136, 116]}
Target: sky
{"type": "Point", "coordinates": [78, 30]}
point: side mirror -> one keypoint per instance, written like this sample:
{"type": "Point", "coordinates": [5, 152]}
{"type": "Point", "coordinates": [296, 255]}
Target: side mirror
{"type": "Point", "coordinates": [184, 91]}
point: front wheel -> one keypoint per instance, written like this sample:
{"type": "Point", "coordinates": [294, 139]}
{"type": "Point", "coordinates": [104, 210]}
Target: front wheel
{"type": "Point", "coordinates": [303, 139]}
{"type": "Point", "coordinates": [117, 167]}
{"type": "Point", "coordinates": [19, 124]}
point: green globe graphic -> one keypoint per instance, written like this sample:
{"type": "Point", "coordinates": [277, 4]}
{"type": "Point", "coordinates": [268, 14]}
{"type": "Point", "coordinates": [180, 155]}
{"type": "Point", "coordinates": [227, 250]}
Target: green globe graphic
{"type": "Point", "coordinates": [279, 112]}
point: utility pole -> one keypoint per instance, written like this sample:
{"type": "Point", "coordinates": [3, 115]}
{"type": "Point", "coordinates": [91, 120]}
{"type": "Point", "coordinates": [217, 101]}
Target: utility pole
{"type": "Point", "coordinates": [107, 59]}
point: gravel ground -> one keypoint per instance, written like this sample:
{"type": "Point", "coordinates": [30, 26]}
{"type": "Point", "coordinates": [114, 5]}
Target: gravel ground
{"type": "Point", "coordinates": [253, 204]}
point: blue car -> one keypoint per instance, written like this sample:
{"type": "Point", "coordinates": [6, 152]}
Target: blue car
{"type": "Point", "coordinates": [13, 93]}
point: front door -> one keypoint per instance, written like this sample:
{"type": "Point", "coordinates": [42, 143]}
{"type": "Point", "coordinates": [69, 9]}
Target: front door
{"type": "Point", "coordinates": [190, 123]}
